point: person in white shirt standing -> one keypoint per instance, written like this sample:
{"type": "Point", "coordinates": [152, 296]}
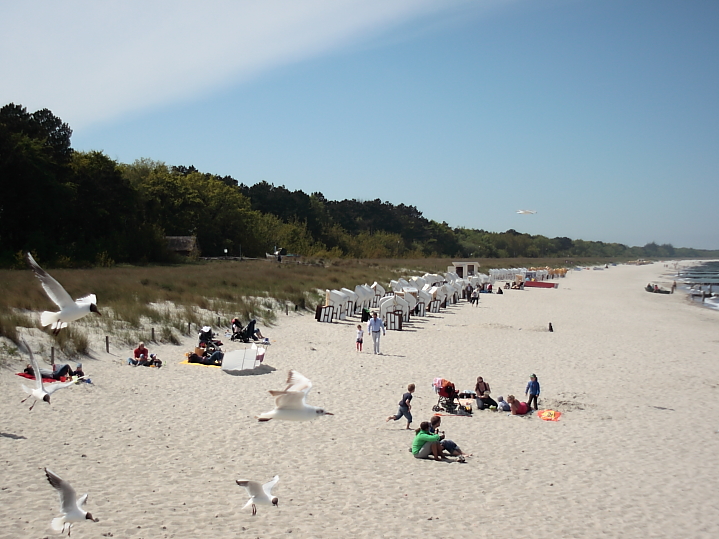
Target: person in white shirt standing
{"type": "Point", "coordinates": [374, 327]}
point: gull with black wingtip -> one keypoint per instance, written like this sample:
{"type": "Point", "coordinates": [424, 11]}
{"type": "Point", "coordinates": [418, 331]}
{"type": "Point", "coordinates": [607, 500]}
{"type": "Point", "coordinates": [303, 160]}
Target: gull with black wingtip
{"type": "Point", "coordinates": [69, 310]}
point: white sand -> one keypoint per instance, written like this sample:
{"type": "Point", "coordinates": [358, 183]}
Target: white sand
{"type": "Point", "coordinates": [636, 376]}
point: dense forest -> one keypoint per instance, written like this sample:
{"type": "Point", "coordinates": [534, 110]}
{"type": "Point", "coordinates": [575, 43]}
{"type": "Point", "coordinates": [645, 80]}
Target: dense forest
{"type": "Point", "coordinates": [76, 208]}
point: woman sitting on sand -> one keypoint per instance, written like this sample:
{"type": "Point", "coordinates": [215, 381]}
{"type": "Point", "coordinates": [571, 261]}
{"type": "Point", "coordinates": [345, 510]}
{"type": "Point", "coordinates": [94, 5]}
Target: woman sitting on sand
{"type": "Point", "coordinates": [425, 443]}
{"type": "Point", "coordinates": [517, 408]}
{"type": "Point", "coordinates": [483, 399]}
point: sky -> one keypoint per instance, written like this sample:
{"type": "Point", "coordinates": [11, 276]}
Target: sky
{"type": "Point", "coordinates": [600, 115]}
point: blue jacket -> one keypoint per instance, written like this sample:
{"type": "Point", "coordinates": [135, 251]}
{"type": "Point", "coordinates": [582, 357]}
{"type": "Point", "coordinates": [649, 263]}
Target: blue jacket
{"type": "Point", "coordinates": [532, 387]}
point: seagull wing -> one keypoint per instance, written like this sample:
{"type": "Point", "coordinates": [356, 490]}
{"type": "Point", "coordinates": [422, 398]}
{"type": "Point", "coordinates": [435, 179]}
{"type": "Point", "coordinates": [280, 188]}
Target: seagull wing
{"type": "Point", "coordinates": [35, 368]}
{"type": "Point", "coordinates": [267, 487]}
{"type": "Point", "coordinates": [82, 501]}
{"type": "Point", "coordinates": [289, 400]}
{"type": "Point", "coordinates": [51, 388]}
{"type": "Point", "coordinates": [68, 498]}
{"type": "Point", "coordinates": [253, 488]}
{"type": "Point", "coordinates": [53, 289]}
{"type": "Point", "coordinates": [87, 300]}
{"type": "Point", "coordinates": [297, 382]}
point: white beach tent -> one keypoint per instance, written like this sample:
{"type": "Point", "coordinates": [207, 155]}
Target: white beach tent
{"type": "Point", "coordinates": [365, 295]}
{"type": "Point", "coordinates": [393, 303]}
{"type": "Point", "coordinates": [340, 302]}
{"type": "Point", "coordinates": [352, 300]}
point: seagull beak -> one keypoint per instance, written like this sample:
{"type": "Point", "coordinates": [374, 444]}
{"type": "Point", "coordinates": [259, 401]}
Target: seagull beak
{"type": "Point", "coordinates": [329, 413]}
{"type": "Point", "coordinates": [93, 309]}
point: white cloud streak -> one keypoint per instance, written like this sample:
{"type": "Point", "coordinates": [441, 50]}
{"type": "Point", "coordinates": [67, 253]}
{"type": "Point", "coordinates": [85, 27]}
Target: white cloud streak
{"type": "Point", "coordinates": [93, 61]}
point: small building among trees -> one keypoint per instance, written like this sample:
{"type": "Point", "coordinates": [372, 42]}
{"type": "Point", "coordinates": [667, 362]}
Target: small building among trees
{"type": "Point", "coordinates": [183, 245]}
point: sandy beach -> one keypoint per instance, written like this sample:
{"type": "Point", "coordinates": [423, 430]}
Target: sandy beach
{"type": "Point", "coordinates": [634, 455]}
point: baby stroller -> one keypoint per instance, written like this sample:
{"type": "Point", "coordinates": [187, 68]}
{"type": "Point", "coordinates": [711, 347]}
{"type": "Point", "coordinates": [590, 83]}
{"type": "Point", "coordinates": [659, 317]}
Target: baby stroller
{"type": "Point", "coordinates": [208, 341]}
{"type": "Point", "coordinates": [447, 396]}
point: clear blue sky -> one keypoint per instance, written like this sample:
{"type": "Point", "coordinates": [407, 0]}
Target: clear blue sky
{"type": "Point", "coordinates": [601, 115]}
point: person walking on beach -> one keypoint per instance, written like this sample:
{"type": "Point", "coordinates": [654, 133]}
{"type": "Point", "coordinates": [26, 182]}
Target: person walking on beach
{"type": "Point", "coordinates": [532, 390]}
{"type": "Point", "coordinates": [360, 337]}
{"type": "Point", "coordinates": [404, 407]}
{"type": "Point", "coordinates": [374, 327]}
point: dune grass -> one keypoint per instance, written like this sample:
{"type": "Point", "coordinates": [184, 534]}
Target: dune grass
{"type": "Point", "coordinates": [171, 297]}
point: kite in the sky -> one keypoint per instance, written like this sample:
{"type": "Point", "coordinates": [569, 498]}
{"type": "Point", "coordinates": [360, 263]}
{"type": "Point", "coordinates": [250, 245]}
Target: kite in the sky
{"type": "Point", "coordinates": [526, 212]}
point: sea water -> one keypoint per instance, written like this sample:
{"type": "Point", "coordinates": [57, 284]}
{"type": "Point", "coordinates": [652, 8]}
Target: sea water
{"type": "Point", "coordinates": [702, 277]}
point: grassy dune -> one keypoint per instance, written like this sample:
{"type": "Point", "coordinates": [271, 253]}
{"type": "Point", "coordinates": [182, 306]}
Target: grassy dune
{"type": "Point", "coordinates": [170, 297]}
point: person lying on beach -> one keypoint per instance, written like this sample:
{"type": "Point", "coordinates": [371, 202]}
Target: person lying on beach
{"type": "Point", "coordinates": [58, 372]}
{"type": "Point", "coordinates": [447, 445]}
{"type": "Point", "coordinates": [205, 359]}
{"type": "Point", "coordinates": [425, 443]}
{"type": "Point", "coordinates": [516, 407]}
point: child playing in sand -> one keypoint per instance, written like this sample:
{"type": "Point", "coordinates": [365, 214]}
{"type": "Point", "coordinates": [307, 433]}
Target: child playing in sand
{"type": "Point", "coordinates": [532, 390]}
{"type": "Point", "coordinates": [360, 335]}
{"type": "Point", "coordinates": [404, 406]}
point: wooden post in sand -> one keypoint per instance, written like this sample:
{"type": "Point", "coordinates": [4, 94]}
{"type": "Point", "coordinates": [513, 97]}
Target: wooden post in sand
{"type": "Point", "coordinates": [218, 321]}
{"type": "Point", "coordinates": [287, 309]}
{"type": "Point", "coordinates": [152, 330]}
{"type": "Point", "coordinates": [189, 331]}
{"type": "Point", "coordinates": [52, 355]}
{"type": "Point", "coordinates": [107, 344]}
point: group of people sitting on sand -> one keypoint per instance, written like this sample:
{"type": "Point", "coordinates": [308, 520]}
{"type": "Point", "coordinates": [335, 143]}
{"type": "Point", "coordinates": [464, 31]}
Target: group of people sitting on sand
{"type": "Point", "coordinates": [429, 440]}
{"type": "Point", "coordinates": [512, 404]}
{"type": "Point", "coordinates": [142, 357]}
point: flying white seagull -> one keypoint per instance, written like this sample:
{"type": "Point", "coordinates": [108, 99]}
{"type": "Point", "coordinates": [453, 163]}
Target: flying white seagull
{"type": "Point", "coordinates": [71, 507]}
{"type": "Point", "coordinates": [69, 310]}
{"type": "Point", "coordinates": [526, 212]}
{"type": "Point", "coordinates": [259, 494]}
{"type": "Point", "coordinates": [40, 392]}
{"type": "Point", "coordinates": [290, 403]}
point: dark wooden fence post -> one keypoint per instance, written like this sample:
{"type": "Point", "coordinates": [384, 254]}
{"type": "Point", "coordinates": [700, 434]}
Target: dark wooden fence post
{"type": "Point", "coordinates": [107, 344]}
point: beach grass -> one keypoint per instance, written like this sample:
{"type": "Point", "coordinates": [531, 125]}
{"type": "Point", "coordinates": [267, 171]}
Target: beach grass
{"type": "Point", "coordinates": [173, 298]}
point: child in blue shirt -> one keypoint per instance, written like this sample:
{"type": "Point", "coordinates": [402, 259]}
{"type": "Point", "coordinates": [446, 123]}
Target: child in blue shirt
{"type": "Point", "coordinates": [532, 391]}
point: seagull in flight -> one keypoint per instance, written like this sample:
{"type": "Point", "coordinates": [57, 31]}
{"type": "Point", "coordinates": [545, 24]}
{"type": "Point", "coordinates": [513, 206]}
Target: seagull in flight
{"type": "Point", "coordinates": [526, 212]}
{"type": "Point", "coordinates": [40, 392]}
{"type": "Point", "coordinates": [259, 494]}
{"type": "Point", "coordinates": [69, 310]}
{"type": "Point", "coordinates": [71, 507]}
{"type": "Point", "coordinates": [290, 403]}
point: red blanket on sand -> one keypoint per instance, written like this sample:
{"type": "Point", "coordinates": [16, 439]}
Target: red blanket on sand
{"type": "Point", "coordinates": [45, 380]}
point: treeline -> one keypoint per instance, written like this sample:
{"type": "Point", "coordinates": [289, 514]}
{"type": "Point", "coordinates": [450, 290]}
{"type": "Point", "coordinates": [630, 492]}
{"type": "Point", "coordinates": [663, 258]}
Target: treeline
{"type": "Point", "coordinates": [82, 208]}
